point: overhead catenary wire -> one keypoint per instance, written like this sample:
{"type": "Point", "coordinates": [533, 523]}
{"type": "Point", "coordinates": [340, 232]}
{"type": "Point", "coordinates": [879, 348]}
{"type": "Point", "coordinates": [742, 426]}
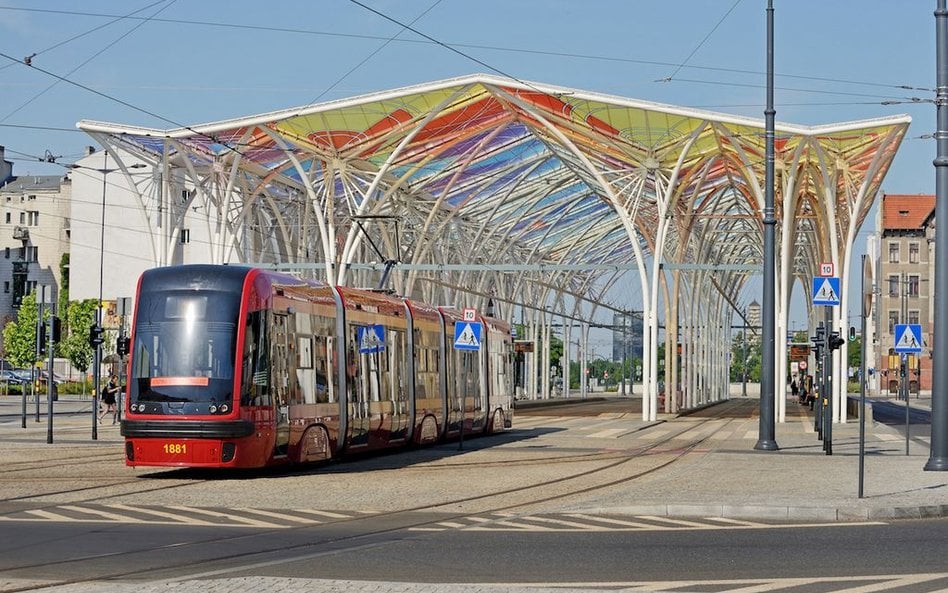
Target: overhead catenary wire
{"type": "Point", "coordinates": [551, 53]}
{"type": "Point", "coordinates": [86, 61]}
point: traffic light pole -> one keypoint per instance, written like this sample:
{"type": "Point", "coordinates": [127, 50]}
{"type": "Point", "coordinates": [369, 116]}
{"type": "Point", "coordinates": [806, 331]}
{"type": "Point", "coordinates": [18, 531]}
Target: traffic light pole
{"type": "Point", "coordinates": [95, 340]}
{"type": "Point", "coordinates": [818, 343]}
{"type": "Point", "coordinates": [827, 392]}
{"type": "Point", "coordinates": [50, 381]}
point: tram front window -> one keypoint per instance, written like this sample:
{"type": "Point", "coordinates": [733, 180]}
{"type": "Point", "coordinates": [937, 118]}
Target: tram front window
{"type": "Point", "coordinates": [183, 350]}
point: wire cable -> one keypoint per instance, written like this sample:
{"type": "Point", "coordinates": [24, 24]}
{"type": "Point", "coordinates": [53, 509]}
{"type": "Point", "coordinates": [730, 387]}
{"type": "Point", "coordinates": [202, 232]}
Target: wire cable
{"type": "Point", "coordinates": [703, 41]}
{"type": "Point", "coordinates": [92, 57]}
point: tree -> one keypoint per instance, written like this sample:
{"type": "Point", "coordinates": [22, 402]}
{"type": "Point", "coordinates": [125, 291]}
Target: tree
{"type": "Point", "coordinates": [75, 346]}
{"type": "Point", "coordinates": [749, 351]}
{"type": "Point", "coordinates": [19, 335]}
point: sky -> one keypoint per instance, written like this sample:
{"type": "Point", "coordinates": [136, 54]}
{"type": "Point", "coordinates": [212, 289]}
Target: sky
{"type": "Point", "coordinates": [169, 63]}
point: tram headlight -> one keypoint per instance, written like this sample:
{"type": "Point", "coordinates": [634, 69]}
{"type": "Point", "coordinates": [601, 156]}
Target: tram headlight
{"type": "Point", "coordinates": [213, 409]}
{"type": "Point", "coordinates": [224, 408]}
{"type": "Point", "coordinates": [133, 407]}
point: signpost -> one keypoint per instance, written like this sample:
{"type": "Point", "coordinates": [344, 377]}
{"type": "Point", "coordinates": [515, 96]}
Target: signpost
{"type": "Point", "coordinates": [826, 293]}
{"type": "Point", "coordinates": [908, 340]}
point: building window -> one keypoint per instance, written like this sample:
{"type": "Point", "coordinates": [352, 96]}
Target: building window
{"type": "Point", "coordinates": [893, 285]}
{"type": "Point", "coordinates": [8, 218]}
{"type": "Point", "coordinates": [913, 285]}
{"type": "Point", "coordinates": [913, 253]}
{"type": "Point", "coordinates": [22, 251]}
{"type": "Point", "coordinates": [893, 252]}
{"type": "Point", "coordinates": [6, 252]}
{"type": "Point", "coordinates": [893, 319]}
{"type": "Point", "coordinates": [185, 236]}
{"type": "Point", "coordinates": [6, 287]}
{"type": "Point", "coordinates": [913, 317]}
{"type": "Point", "coordinates": [31, 197]}
{"type": "Point", "coordinates": [34, 218]}
{"type": "Point", "coordinates": [32, 254]}
{"type": "Point", "coordinates": [30, 286]}
{"type": "Point", "coordinates": [22, 217]}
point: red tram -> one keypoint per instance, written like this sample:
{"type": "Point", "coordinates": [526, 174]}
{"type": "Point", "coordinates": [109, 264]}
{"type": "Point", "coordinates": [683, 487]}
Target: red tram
{"type": "Point", "coordinates": [240, 367]}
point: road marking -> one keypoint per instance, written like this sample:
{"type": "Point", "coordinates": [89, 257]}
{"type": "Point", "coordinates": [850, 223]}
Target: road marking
{"type": "Point", "coordinates": [512, 524]}
{"type": "Point", "coordinates": [282, 516]}
{"type": "Point", "coordinates": [103, 514]}
{"type": "Point", "coordinates": [48, 515]}
{"type": "Point", "coordinates": [868, 584]}
{"type": "Point", "coordinates": [174, 517]}
{"type": "Point", "coordinates": [583, 526]}
{"type": "Point", "coordinates": [622, 522]}
{"type": "Point", "coordinates": [235, 518]}
{"type": "Point", "coordinates": [737, 522]}
{"type": "Point", "coordinates": [675, 522]}
{"type": "Point", "coordinates": [329, 514]}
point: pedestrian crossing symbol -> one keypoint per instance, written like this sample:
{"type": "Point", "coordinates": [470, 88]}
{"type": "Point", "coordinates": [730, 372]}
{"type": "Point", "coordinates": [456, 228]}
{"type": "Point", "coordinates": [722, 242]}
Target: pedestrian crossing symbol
{"type": "Point", "coordinates": [467, 336]}
{"type": "Point", "coordinates": [826, 291]}
{"type": "Point", "coordinates": [908, 338]}
{"type": "Point", "coordinates": [371, 339]}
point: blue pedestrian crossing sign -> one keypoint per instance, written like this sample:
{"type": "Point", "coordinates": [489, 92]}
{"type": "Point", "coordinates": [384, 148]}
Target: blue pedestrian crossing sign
{"type": "Point", "coordinates": [467, 335]}
{"type": "Point", "coordinates": [371, 339]}
{"type": "Point", "coordinates": [908, 338]}
{"type": "Point", "coordinates": [826, 291]}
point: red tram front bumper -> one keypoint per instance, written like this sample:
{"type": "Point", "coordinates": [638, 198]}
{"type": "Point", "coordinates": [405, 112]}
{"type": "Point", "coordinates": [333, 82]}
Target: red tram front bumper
{"type": "Point", "coordinates": [181, 452]}
{"type": "Point", "coordinates": [193, 443]}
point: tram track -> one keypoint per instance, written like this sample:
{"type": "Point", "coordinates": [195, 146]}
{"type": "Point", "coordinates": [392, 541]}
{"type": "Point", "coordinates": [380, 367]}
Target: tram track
{"type": "Point", "coordinates": [410, 516]}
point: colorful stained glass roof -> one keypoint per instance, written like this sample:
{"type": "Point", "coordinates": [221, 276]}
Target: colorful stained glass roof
{"type": "Point", "coordinates": [536, 173]}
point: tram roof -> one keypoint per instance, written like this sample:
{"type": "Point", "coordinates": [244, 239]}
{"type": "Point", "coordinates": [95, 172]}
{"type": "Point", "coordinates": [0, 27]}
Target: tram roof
{"type": "Point", "coordinates": [564, 175]}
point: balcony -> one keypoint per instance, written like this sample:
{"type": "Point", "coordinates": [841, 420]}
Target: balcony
{"type": "Point", "coordinates": [21, 233]}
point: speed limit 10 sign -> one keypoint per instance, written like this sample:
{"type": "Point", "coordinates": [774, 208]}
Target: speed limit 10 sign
{"type": "Point", "coordinates": [827, 270]}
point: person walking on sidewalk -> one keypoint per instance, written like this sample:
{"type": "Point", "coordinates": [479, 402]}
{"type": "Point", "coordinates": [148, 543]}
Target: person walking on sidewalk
{"type": "Point", "coordinates": [109, 394]}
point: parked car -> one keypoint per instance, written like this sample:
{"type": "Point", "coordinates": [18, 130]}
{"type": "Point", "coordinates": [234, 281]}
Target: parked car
{"type": "Point", "coordinates": [12, 378]}
{"type": "Point", "coordinates": [43, 375]}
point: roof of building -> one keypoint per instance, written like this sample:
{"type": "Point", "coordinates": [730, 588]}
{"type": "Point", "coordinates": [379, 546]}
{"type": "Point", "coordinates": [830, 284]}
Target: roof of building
{"type": "Point", "coordinates": [531, 173]}
{"type": "Point", "coordinates": [906, 212]}
{"type": "Point", "coordinates": [32, 182]}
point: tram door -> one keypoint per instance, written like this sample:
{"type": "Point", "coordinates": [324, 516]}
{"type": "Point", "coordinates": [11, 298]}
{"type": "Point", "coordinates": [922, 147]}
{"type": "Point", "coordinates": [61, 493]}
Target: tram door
{"type": "Point", "coordinates": [359, 379]}
{"type": "Point", "coordinates": [280, 381]}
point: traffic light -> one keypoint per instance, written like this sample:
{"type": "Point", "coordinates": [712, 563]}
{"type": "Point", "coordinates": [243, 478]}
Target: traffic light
{"type": "Point", "coordinates": [835, 341]}
{"type": "Point", "coordinates": [57, 330]}
{"type": "Point", "coordinates": [121, 345]}
{"type": "Point", "coordinates": [852, 333]}
{"type": "Point", "coordinates": [41, 345]}
{"type": "Point", "coordinates": [95, 336]}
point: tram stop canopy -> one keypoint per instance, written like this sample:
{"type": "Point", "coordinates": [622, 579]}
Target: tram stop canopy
{"type": "Point", "coordinates": [482, 187]}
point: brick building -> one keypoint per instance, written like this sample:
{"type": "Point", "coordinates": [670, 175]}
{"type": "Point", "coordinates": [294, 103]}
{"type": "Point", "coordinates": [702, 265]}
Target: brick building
{"type": "Point", "coordinates": [906, 271]}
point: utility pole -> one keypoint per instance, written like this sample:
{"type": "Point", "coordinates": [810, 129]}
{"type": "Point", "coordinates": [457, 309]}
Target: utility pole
{"type": "Point", "coordinates": [938, 461]}
{"type": "Point", "coordinates": [766, 440]}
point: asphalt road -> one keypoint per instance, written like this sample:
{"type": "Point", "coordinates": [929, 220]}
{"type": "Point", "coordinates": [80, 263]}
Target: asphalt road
{"type": "Point", "coordinates": [407, 548]}
{"type": "Point", "coordinates": [72, 513]}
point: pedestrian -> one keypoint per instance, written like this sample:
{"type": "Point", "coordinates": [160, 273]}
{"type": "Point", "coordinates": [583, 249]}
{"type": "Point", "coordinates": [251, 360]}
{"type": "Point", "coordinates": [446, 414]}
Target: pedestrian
{"type": "Point", "coordinates": [794, 390]}
{"type": "Point", "coordinates": [109, 395]}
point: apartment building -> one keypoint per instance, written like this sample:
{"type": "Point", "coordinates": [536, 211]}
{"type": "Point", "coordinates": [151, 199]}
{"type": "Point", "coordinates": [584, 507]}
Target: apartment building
{"type": "Point", "coordinates": [905, 278]}
{"type": "Point", "coordinates": [34, 234]}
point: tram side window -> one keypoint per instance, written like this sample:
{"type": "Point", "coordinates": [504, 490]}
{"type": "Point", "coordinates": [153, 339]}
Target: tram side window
{"type": "Point", "coordinates": [354, 378]}
{"type": "Point", "coordinates": [255, 390]}
{"type": "Point", "coordinates": [393, 375]}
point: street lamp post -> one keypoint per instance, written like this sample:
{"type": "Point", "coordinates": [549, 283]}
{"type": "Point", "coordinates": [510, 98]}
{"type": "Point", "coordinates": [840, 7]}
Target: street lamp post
{"type": "Point", "coordinates": [96, 331]}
